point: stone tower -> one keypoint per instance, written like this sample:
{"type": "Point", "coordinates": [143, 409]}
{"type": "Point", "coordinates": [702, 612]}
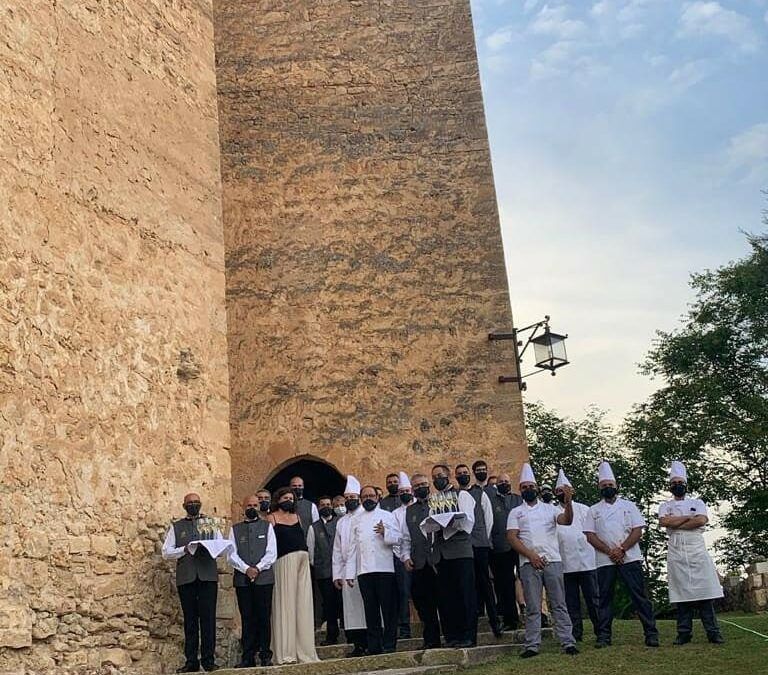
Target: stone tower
{"type": "Point", "coordinates": [335, 315]}
{"type": "Point", "coordinates": [364, 260]}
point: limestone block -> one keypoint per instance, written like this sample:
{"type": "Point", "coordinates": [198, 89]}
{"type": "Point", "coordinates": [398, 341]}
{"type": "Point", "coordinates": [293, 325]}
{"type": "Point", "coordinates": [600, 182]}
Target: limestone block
{"type": "Point", "coordinates": [15, 624]}
{"type": "Point", "coordinates": [105, 545]}
{"type": "Point", "coordinates": [758, 568]}
{"type": "Point", "coordinates": [36, 544]}
{"type": "Point", "coordinates": [80, 544]}
{"type": "Point", "coordinates": [44, 627]}
{"type": "Point", "coordinates": [115, 657]}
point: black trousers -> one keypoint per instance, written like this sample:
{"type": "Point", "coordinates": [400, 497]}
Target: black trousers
{"type": "Point", "coordinates": [198, 603]}
{"type": "Point", "coordinates": [503, 566]}
{"type": "Point", "coordinates": [456, 600]}
{"type": "Point", "coordinates": [403, 579]}
{"type": "Point", "coordinates": [485, 597]}
{"type": "Point", "coordinates": [255, 605]}
{"type": "Point", "coordinates": [379, 591]}
{"type": "Point", "coordinates": [578, 584]}
{"type": "Point", "coordinates": [706, 613]}
{"type": "Point", "coordinates": [331, 598]}
{"type": "Point", "coordinates": [632, 576]}
{"type": "Point", "coordinates": [424, 590]}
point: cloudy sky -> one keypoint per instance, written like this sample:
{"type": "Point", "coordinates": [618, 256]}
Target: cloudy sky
{"type": "Point", "coordinates": [630, 147]}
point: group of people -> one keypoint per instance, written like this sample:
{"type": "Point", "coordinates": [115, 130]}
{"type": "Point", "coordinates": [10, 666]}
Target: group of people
{"type": "Point", "coordinates": [455, 551]}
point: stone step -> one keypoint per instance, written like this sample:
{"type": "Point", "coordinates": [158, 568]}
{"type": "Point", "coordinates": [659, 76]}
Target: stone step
{"type": "Point", "coordinates": [414, 644]}
{"type": "Point", "coordinates": [422, 670]}
{"type": "Point", "coordinates": [416, 629]}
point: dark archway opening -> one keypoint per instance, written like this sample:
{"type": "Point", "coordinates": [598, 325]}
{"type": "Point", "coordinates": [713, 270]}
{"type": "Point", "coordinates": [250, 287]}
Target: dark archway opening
{"type": "Point", "coordinates": [319, 477]}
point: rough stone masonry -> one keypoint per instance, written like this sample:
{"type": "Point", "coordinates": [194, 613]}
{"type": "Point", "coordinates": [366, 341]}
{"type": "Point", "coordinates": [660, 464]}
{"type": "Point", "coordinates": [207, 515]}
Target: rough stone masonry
{"type": "Point", "coordinates": [338, 308]}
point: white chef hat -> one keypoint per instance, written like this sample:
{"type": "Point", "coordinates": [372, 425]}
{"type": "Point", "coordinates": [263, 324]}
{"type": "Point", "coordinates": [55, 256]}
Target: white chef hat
{"type": "Point", "coordinates": [605, 472]}
{"type": "Point", "coordinates": [677, 470]}
{"type": "Point", "coordinates": [562, 480]}
{"type": "Point", "coordinates": [526, 474]}
{"type": "Point", "coordinates": [353, 486]}
{"type": "Point", "coordinates": [404, 480]}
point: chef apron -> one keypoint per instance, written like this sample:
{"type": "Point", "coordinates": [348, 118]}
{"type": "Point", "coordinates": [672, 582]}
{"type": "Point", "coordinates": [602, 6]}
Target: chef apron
{"type": "Point", "coordinates": [690, 571]}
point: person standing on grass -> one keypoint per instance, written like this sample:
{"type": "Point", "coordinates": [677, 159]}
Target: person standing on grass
{"type": "Point", "coordinates": [613, 527]}
{"type": "Point", "coordinates": [532, 531]}
{"type": "Point", "coordinates": [693, 580]}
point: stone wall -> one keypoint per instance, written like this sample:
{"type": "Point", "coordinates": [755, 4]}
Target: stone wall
{"type": "Point", "coordinates": [364, 259]}
{"type": "Point", "coordinates": [113, 381]}
{"type": "Point", "coordinates": [748, 593]}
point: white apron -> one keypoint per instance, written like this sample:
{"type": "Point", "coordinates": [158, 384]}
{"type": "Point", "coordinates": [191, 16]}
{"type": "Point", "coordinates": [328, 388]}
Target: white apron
{"type": "Point", "coordinates": [690, 571]}
{"type": "Point", "coordinates": [354, 612]}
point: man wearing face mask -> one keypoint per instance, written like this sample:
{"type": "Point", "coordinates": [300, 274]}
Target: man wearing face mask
{"type": "Point", "coordinates": [320, 547]}
{"type": "Point", "coordinates": [391, 500]}
{"type": "Point", "coordinates": [402, 576]}
{"type": "Point", "coordinates": [614, 527]}
{"type": "Point", "coordinates": [417, 557]}
{"type": "Point", "coordinates": [453, 555]}
{"type": "Point", "coordinates": [305, 509]}
{"type": "Point", "coordinates": [352, 600]}
{"type": "Point", "coordinates": [481, 547]}
{"type": "Point", "coordinates": [503, 558]}
{"type": "Point", "coordinates": [693, 580]}
{"type": "Point", "coordinates": [532, 531]}
{"type": "Point", "coordinates": [197, 582]}
{"type": "Point", "coordinates": [480, 472]}
{"type": "Point", "coordinates": [339, 506]}
{"type": "Point", "coordinates": [370, 564]}
{"type": "Point", "coordinates": [579, 563]}
{"type": "Point", "coordinates": [265, 500]}
{"type": "Point", "coordinates": [546, 494]}
{"type": "Point", "coordinates": [253, 552]}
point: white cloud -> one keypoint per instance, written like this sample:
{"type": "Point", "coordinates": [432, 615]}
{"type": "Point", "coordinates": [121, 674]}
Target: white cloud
{"type": "Point", "coordinates": [499, 38]}
{"type": "Point", "coordinates": [747, 154]}
{"type": "Point", "coordinates": [554, 21]}
{"type": "Point", "coordinates": [711, 19]}
{"type": "Point", "coordinates": [691, 73]}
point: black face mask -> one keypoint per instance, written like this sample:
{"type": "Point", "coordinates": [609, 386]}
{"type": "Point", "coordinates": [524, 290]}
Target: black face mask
{"type": "Point", "coordinates": [264, 505]}
{"type": "Point", "coordinates": [503, 488]}
{"type": "Point", "coordinates": [326, 512]}
{"type": "Point", "coordinates": [678, 489]}
{"type": "Point", "coordinates": [546, 497]}
{"type": "Point", "coordinates": [421, 492]}
{"type": "Point", "coordinates": [192, 509]}
{"type": "Point", "coordinates": [287, 506]}
{"type": "Point", "coordinates": [463, 480]}
{"type": "Point", "coordinates": [298, 493]}
{"type": "Point", "coordinates": [392, 489]}
{"type": "Point", "coordinates": [352, 504]}
{"type": "Point", "coordinates": [440, 483]}
{"type": "Point", "coordinates": [561, 497]}
{"type": "Point", "coordinates": [406, 497]}
{"type": "Point", "coordinates": [481, 475]}
{"type": "Point", "coordinates": [529, 495]}
{"type": "Point", "coordinates": [251, 512]}
{"type": "Point", "coordinates": [369, 504]}
{"type": "Point", "coordinates": [608, 492]}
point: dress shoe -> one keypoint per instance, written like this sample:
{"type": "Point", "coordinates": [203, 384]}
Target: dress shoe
{"type": "Point", "coordinates": [528, 654]}
{"type": "Point", "coordinates": [266, 661]}
{"type": "Point", "coordinates": [246, 664]}
{"type": "Point", "coordinates": [451, 644]}
{"type": "Point", "coordinates": [189, 668]}
{"type": "Point", "coordinates": [682, 640]}
{"type": "Point", "coordinates": [651, 642]}
{"type": "Point", "coordinates": [436, 645]}
{"type": "Point", "coordinates": [328, 642]}
{"type": "Point", "coordinates": [602, 644]}
{"type": "Point", "coordinates": [357, 651]}
{"type": "Point", "coordinates": [498, 631]}
{"type": "Point", "coordinates": [571, 651]}
{"type": "Point", "coordinates": [716, 639]}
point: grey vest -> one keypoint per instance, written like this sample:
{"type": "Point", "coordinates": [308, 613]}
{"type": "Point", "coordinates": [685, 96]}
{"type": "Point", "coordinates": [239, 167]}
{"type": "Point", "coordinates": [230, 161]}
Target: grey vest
{"type": "Point", "coordinates": [189, 568]}
{"type": "Point", "coordinates": [479, 531]}
{"type": "Point", "coordinates": [251, 543]}
{"type": "Point", "coordinates": [324, 536]}
{"type": "Point", "coordinates": [421, 553]}
{"type": "Point", "coordinates": [304, 512]}
{"type": "Point", "coordinates": [458, 546]}
{"type": "Point", "coordinates": [390, 502]}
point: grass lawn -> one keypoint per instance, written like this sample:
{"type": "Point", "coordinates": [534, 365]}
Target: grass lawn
{"type": "Point", "coordinates": [743, 653]}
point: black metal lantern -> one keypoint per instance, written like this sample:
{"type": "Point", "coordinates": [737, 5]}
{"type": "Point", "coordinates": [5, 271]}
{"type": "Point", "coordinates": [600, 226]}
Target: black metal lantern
{"type": "Point", "coordinates": [549, 350]}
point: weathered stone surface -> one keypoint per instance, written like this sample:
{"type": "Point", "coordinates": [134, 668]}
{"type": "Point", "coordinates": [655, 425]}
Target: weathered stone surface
{"type": "Point", "coordinates": [111, 297]}
{"type": "Point", "coordinates": [364, 258]}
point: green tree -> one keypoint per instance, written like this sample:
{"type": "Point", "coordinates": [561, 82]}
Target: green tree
{"type": "Point", "coordinates": [712, 410]}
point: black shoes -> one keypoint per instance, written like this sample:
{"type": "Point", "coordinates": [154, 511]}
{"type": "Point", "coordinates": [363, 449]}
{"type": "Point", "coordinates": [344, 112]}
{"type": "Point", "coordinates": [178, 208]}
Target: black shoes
{"type": "Point", "coordinates": [682, 640]}
{"type": "Point", "coordinates": [357, 651]}
{"type": "Point", "coordinates": [571, 651]}
{"type": "Point", "coordinates": [602, 644]}
{"type": "Point", "coordinates": [246, 664]}
{"type": "Point", "coordinates": [329, 641]}
{"type": "Point", "coordinates": [210, 667]}
{"type": "Point", "coordinates": [189, 668]}
{"type": "Point", "coordinates": [716, 639]}
{"type": "Point", "coordinates": [437, 645]}
{"type": "Point", "coordinates": [498, 631]}
{"type": "Point", "coordinates": [528, 654]}
{"type": "Point", "coordinates": [265, 661]}
{"type": "Point", "coordinates": [652, 641]}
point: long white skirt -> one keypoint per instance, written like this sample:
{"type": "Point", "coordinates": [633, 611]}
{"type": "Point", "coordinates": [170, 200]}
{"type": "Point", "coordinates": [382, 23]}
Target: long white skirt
{"type": "Point", "coordinates": [293, 622]}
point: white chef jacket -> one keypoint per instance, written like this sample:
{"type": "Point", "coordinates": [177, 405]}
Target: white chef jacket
{"type": "Point", "coordinates": [612, 523]}
{"type": "Point", "coordinates": [172, 552]}
{"type": "Point", "coordinates": [576, 552]}
{"type": "Point", "coordinates": [267, 560]}
{"type": "Point", "coordinates": [352, 600]}
{"type": "Point", "coordinates": [687, 506]}
{"type": "Point", "coordinates": [399, 515]}
{"type": "Point", "coordinates": [537, 529]}
{"type": "Point", "coordinates": [369, 551]}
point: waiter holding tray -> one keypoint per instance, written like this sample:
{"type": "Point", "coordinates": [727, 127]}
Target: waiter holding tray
{"type": "Point", "coordinates": [195, 542]}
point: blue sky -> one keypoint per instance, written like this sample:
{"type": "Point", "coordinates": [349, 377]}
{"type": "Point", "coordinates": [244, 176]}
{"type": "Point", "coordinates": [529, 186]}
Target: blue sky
{"type": "Point", "coordinates": [630, 146]}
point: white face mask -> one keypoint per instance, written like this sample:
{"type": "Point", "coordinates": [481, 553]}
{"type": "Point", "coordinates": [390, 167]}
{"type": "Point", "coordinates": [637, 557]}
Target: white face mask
{"type": "Point", "coordinates": [339, 510]}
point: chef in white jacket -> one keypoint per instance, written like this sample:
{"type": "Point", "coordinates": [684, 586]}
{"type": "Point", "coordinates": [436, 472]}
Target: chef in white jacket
{"type": "Point", "coordinates": [352, 601]}
{"type": "Point", "coordinates": [692, 577]}
{"type": "Point", "coordinates": [579, 563]}
{"type": "Point", "coordinates": [370, 565]}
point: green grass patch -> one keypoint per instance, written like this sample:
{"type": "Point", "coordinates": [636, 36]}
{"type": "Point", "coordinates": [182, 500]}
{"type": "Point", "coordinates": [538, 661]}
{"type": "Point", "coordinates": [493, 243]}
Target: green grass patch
{"type": "Point", "coordinates": [743, 653]}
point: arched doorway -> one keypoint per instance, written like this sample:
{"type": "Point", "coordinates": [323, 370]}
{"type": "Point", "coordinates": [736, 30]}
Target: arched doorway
{"type": "Point", "coordinates": [320, 477]}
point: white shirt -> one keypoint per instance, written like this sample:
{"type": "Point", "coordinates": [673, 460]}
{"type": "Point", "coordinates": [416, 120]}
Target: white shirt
{"type": "Point", "coordinates": [311, 541]}
{"type": "Point", "coordinates": [612, 523]}
{"type": "Point", "coordinates": [369, 551]}
{"type": "Point", "coordinates": [576, 552]}
{"type": "Point", "coordinates": [267, 560]}
{"type": "Point", "coordinates": [537, 529]}
{"type": "Point", "coordinates": [172, 552]}
{"type": "Point", "coordinates": [341, 544]}
{"type": "Point", "coordinates": [687, 506]}
{"type": "Point", "coordinates": [487, 507]}
{"type": "Point", "coordinates": [399, 515]}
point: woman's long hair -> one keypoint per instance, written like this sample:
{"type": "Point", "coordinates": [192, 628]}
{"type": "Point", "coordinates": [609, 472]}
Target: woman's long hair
{"type": "Point", "coordinates": [278, 494]}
